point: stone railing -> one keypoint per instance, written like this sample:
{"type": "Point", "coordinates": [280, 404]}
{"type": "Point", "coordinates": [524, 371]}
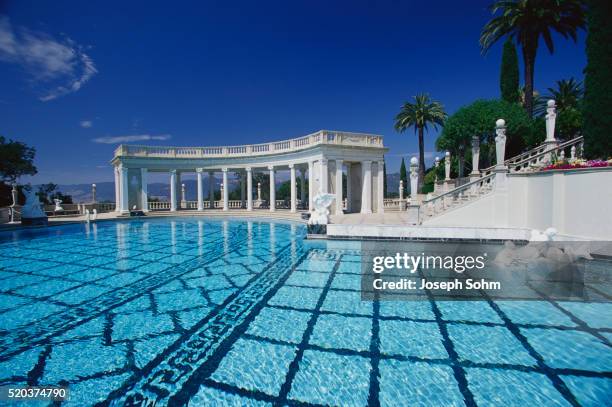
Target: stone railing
{"type": "Point", "coordinates": [218, 204]}
{"type": "Point", "coordinates": [433, 206]}
{"type": "Point", "coordinates": [301, 143]}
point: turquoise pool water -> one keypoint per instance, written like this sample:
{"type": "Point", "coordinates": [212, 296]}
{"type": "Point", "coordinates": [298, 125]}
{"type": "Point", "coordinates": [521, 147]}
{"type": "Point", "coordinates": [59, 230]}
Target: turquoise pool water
{"type": "Point", "coordinates": [188, 311]}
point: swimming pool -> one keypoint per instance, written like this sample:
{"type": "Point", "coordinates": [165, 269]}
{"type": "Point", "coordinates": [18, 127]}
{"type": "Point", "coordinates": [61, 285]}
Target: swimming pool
{"type": "Point", "coordinates": [230, 312]}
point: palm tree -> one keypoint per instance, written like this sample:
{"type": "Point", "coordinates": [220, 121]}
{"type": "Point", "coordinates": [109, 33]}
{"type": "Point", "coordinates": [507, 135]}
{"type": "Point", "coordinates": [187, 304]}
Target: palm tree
{"type": "Point", "coordinates": [419, 115]}
{"type": "Point", "coordinates": [528, 20]}
{"type": "Point", "coordinates": [567, 95]}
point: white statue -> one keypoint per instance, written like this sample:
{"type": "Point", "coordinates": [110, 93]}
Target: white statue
{"type": "Point", "coordinates": [95, 215]}
{"type": "Point", "coordinates": [87, 215]}
{"type": "Point", "coordinates": [58, 206]}
{"type": "Point", "coordinates": [321, 203]}
{"type": "Point", "coordinates": [32, 209]}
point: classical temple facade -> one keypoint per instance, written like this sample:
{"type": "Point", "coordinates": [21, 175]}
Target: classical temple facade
{"type": "Point", "coordinates": [322, 157]}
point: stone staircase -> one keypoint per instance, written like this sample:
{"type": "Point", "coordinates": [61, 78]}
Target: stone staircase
{"type": "Point", "coordinates": [529, 161]}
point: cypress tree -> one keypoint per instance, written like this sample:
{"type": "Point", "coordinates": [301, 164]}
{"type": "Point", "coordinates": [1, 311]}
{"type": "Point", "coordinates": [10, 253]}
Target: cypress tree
{"type": "Point", "coordinates": [403, 176]}
{"type": "Point", "coordinates": [509, 74]}
{"type": "Point", "coordinates": [598, 81]}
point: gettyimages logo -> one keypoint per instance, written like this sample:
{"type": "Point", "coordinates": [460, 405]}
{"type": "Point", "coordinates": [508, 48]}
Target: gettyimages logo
{"type": "Point", "coordinates": [412, 264]}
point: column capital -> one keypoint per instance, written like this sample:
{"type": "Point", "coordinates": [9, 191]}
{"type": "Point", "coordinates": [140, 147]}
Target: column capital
{"type": "Point", "coordinates": [248, 169]}
{"type": "Point", "coordinates": [271, 167]}
{"type": "Point", "coordinates": [199, 170]}
{"type": "Point", "coordinates": [291, 166]}
{"type": "Point", "coordinates": [172, 172]}
{"type": "Point", "coordinates": [224, 169]}
{"type": "Point", "coordinates": [324, 161]}
{"type": "Point", "coordinates": [367, 162]}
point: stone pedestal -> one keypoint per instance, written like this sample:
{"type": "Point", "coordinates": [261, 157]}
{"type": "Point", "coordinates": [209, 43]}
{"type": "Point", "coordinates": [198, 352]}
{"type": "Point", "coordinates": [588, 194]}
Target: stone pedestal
{"type": "Point", "coordinates": [413, 217]}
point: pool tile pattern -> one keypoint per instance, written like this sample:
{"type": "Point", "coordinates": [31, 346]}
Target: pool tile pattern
{"type": "Point", "coordinates": [194, 312]}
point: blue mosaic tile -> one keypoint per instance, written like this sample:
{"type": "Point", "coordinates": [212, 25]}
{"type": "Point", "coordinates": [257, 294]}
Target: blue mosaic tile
{"type": "Point", "coordinates": [485, 344]}
{"type": "Point", "coordinates": [339, 332]}
{"type": "Point", "coordinates": [316, 265]}
{"type": "Point", "coordinates": [535, 313]}
{"type": "Point", "coordinates": [20, 281]}
{"type": "Point", "coordinates": [219, 296]}
{"type": "Point", "coordinates": [408, 338]}
{"type": "Point", "coordinates": [418, 384]}
{"type": "Point", "coordinates": [8, 301]}
{"type": "Point", "coordinates": [91, 274]}
{"type": "Point", "coordinates": [82, 359]}
{"type": "Point", "coordinates": [348, 302]}
{"type": "Point", "coordinates": [151, 256]}
{"type": "Point", "coordinates": [303, 298]}
{"type": "Point", "coordinates": [476, 311]}
{"type": "Point", "coordinates": [596, 315]}
{"type": "Point", "coordinates": [95, 327]}
{"type": "Point", "coordinates": [590, 391]}
{"type": "Point", "coordinates": [174, 285]}
{"type": "Point", "coordinates": [139, 304]}
{"type": "Point", "coordinates": [180, 300]}
{"type": "Point", "coordinates": [189, 318]}
{"type": "Point", "coordinates": [280, 324]}
{"type": "Point", "coordinates": [407, 309]}
{"type": "Point", "coordinates": [27, 314]}
{"type": "Point", "coordinates": [570, 349]}
{"type": "Point", "coordinates": [47, 288]}
{"type": "Point", "coordinates": [137, 325]}
{"type": "Point", "coordinates": [209, 283]}
{"type": "Point", "coordinates": [152, 268]}
{"type": "Point", "coordinates": [145, 350]}
{"type": "Point", "coordinates": [90, 392]}
{"type": "Point", "coordinates": [255, 365]}
{"type": "Point", "coordinates": [497, 387]}
{"type": "Point", "coordinates": [340, 380]}
{"type": "Point", "coordinates": [349, 268]}
{"type": "Point", "coordinates": [240, 281]}
{"type": "Point", "coordinates": [308, 279]}
{"type": "Point", "coordinates": [206, 395]}
{"type": "Point", "coordinates": [346, 282]}
{"type": "Point", "coordinates": [81, 294]}
{"type": "Point", "coordinates": [121, 279]}
{"type": "Point", "coordinates": [20, 364]}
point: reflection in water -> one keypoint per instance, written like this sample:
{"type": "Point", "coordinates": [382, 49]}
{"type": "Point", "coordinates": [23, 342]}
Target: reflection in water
{"type": "Point", "coordinates": [200, 237]}
{"type": "Point", "coordinates": [272, 240]}
{"type": "Point", "coordinates": [226, 244]}
{"type": "Point", "coordinates": [250, 238]}
{"type": "Point", "coordinates": [173, 236]}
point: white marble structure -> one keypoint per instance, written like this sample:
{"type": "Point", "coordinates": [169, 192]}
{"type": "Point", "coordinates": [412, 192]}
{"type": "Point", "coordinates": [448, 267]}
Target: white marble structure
{"type": "Point", "coordinates": [322, 157]}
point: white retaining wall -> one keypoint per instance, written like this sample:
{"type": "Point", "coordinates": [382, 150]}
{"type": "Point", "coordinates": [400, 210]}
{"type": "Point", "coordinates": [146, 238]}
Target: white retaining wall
{"type": "Point", "coordinates": [577, 203]}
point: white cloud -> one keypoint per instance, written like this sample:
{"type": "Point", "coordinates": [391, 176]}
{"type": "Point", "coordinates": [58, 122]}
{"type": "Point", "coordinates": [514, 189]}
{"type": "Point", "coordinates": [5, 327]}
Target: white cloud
{"type": "Point", "coordinates": [58, 67]}
{"type": "Point", "coordinates": [130, 138]}
{"type": "Point", "coordinates": [86, 124]}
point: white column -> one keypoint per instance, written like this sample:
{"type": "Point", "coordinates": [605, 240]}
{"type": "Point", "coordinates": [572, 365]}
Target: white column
{"type": "Point", "coordinates": [366, 189]}
{"type": "Point", "coordinates": [117, 190]}
{"type": "Point", "coordinates": [249, 179]}
{"type": "Point", "coordinates": [324, 176]}
{"type": "Point", "coordinates": [259, 191]}
{"type": "Point", "coordinates": [183, 200]}
{"type": "Point", "coordinates": [302, 187]}
{"type": "Point", "coordinates": [200, 189]}
{"type": "Point", "coordinates": [349, 192]}
{"type": "Point", "coordinates": [124, 190]}
{"type": "Point", "coordinates": [293, 188]}
{"type": "Point", "coordinates": [144, 190]}
{"type": "Point", "coordinates": [338, 187]}
{"type": "Point", "coordinates": [447, 166]}
{"type": "Point", "coordinates": [272, 189]}
{"type": "Point", "coordinates": [211, 189]}
{"type": "Point", "coordinates": [414, 180]}
{"type": "Point", "coordinates": [242, 190]}
{"type": "Point", "coordinates": [380, 191]}
{"type": "Point", "coordinates": [225, 190]}
{"type": "Point", "coordinates": [173, 190]}
{"type": "Point", "coordinates": [500, 143]}
{"type": "Point", "coordinates": [475, 155]}
{"type": "Point", "coordinates": [310, 185]}
{"type": "Point", "coordinates": [551, 117]}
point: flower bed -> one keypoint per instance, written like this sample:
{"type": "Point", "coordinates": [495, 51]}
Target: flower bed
{"type": "Point", "coordinates": [580, 163]}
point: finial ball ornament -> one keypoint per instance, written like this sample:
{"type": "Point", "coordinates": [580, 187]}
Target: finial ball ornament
{"type": "Point", "coordinates": [551, 103]}
{"type": "Point", "coordinates": [447, 154]}
{"type": "Point", "coordinates": [414, 161]}
{"type": "Point", "coordinates": [500, 123]}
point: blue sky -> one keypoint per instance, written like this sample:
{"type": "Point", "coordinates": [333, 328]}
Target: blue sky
{"type": "Point", "coordinates": [77, 75]}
